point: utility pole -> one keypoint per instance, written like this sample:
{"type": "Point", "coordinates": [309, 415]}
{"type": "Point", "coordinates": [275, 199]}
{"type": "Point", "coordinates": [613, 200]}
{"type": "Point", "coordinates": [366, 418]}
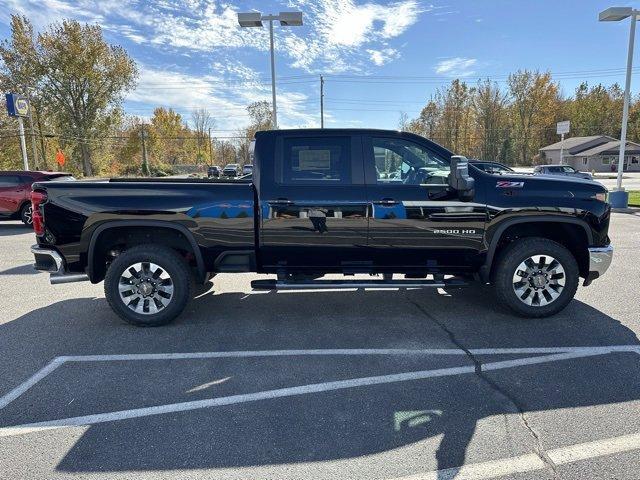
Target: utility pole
{"type": "Point", "coordinates": [145, 163]}
{"type": "Point", "coordinates": [23, 145]}
{"type": "Point", "coordinates": [321, 101]}
{"type": "Point", "coordinates": [210, 147]}
{"type": "Point", "coordinates": [33, 133]}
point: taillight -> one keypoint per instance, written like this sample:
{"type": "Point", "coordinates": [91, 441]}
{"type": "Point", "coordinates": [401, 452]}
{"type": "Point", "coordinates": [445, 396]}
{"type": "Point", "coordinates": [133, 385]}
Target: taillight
{"type": "Point", "coordinates": [37, 199]}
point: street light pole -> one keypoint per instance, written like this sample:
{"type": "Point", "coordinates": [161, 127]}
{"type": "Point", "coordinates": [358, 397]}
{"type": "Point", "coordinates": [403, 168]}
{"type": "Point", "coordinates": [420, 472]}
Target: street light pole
{"type": "Point", "coordinates": [286, 19]}
{"type": "Point", "coordinates": [627, 94]}
{"type": "Point", "coordinates": [274, 114]}
{"type": "Point", "coordinates": [619, 198]}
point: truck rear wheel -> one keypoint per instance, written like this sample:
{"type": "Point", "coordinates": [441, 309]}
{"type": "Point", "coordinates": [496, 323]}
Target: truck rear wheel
{"type": "Point", "coordinates": [536, 277]}
{"type": "Point", "coordinates": [148, 285]}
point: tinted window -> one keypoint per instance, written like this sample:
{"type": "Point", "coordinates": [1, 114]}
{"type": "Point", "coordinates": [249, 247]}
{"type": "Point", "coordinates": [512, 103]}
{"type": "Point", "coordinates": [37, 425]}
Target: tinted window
{"type": "Point", "coordinates": [11, 181]}
{"type": "Point", "coordinates": [554, 169]}
{"type": "Point", "coordinates": [400, 161]}
{"type": "Point", "coordinates": [324, 160]}
{"type": "Point", "coordinates": [568, 170]}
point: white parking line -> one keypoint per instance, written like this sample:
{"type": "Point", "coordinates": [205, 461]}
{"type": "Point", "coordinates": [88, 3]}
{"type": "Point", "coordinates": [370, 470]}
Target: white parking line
{"type": "Point", "coordinates": [55, 363]}
{"type": "Point", "coordinates": [283, 392]}
{"type": "Point", "coordinates": [30, 382]}
{"type": "Point", "coordinates": [532, 462]}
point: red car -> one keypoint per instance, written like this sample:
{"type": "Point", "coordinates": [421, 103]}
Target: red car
{"type": "Point", "coordinates": [15, 191]}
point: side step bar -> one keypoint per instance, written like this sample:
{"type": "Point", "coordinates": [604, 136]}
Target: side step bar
{"type": "Point", "coordinates": [345, 284]}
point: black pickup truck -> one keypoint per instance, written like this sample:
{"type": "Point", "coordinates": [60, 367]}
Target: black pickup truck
{"type": "Point", "coordinates": [343, 201]}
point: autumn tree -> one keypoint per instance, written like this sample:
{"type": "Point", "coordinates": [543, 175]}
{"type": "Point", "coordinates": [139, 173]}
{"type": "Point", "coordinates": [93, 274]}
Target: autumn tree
{"type": "Point", "coordinates": [534, 105]}
{"type": "Point", "coordinates": [168, 137]}
{"type": "Point", "coordinates": [84, 80]}
{"type": "Point", "coordinates": [490, 111]}
{"type": "Point", "coordinates": [202, 121]}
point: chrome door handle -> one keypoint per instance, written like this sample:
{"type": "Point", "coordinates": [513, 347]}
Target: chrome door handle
{"type": "Point", "coordinates": [386, 201]}
{"type": "Point", "coordinates": [280, 201]}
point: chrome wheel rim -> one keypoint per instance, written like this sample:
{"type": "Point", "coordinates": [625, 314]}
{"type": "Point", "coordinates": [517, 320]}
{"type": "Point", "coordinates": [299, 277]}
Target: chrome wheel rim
{"type": "Point", "coordinates": [28, 215]}
{"type": "Point", "coordinates": [145, 288]}
{"type": "Point", "coordinates": [539, 280]}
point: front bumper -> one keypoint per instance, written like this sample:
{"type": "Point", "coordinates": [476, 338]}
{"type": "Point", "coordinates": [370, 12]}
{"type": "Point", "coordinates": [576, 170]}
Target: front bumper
{"type": "Point", "coordinates": [599, 262]}
{"type": "Point", "coordinates": [48, 260]}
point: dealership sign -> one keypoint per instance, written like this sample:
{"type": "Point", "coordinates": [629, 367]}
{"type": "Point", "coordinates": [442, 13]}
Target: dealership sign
{"type": "Point", "coordinates": [17, 105]}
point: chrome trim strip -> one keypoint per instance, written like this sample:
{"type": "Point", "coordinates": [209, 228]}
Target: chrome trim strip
{"type": "Point", "coordinates": [600, 259]}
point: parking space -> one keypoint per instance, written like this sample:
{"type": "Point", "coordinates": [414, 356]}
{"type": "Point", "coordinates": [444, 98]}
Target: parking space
{"type": "Point", "coordinates": [359, 384]}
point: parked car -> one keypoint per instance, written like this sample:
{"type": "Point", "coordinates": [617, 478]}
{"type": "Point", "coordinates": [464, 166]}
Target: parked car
{"type": "Point", "coordinates": [213, 171]}
{"type": "Point", "coordinates": [231, 170]}
{"type": "Point", "coordinates": [15, 191]}
{"type": "Point", "coordinates": [491, 167]}
{"type": "Point", "coordinates": [247, 169]}
{"type": "Point", "coordinates": [565, 170]}
{"type": "Point", "coordinates": [322, 201]}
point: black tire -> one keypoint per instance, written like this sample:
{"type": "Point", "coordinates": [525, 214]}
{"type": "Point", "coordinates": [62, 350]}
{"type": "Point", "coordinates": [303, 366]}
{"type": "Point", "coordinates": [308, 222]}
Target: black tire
{"type": "Point", "coordinates": [25, 214]}
{"type": "Point", "coordinates": [171, 263]}
{"type": "Point", "coordinates": [517, 253]}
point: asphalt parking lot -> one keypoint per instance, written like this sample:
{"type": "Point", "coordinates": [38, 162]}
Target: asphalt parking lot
{"type": "Point", "coordinates": [361, 384]}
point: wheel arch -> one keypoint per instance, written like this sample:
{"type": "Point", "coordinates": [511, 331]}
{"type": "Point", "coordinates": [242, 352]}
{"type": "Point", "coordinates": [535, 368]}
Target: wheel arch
{"type": "Point", "coordinates": [558, 229]}
{"type": "Point", "coordinates": [95, 270]}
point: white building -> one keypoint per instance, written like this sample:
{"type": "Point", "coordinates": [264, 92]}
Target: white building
{"type": "Point", "coordinates": [597, 153]}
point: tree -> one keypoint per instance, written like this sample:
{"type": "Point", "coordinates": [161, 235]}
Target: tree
{"type": "Point", "coordinates": [83, 79]}
{"type": "Point", "coordinates": [260, 114]}
{"type": "Point", "coordinates": [202, 122]}
{"type": "Point", "coordinates": [534, 106]}
{"type": "Point", "coordinates": [456, 117]}
{"type": "Point", "coordinates": [489, 104]}
{"type": "Point", "coordinates": [168, 137]}
{"type": "Point", "coordinates": [596, 110]}
{"type": "Point", "coordinates": [19, 71]}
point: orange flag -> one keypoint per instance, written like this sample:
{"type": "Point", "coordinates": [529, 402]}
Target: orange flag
{"type": "Point", "coordinates": [60, 158]}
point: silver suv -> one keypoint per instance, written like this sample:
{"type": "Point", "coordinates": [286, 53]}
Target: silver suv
{"type": "Point", "coordinates": [565, 170]}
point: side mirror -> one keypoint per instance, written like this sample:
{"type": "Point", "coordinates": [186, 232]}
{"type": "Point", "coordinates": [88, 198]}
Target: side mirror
{"type": "Point", "coordinates": [459, 178]}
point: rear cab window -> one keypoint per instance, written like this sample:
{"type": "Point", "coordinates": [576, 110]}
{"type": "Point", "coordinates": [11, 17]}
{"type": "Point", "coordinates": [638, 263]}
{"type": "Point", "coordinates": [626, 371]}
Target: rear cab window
{"type": "Point", "coordinates": [315, 160]}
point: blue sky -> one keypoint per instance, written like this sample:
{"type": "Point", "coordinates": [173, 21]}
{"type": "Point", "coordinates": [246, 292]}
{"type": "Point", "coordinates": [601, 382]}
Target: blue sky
{"type": "Point", "coordinates": [191, 53]}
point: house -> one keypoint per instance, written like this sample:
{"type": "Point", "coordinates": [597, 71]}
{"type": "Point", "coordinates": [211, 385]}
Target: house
{"type": "Point", "coordinates": [597, 153]}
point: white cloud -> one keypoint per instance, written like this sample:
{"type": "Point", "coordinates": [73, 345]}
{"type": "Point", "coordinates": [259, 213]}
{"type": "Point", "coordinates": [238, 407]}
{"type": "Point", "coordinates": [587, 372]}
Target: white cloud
{"type": "Point", "coordinates": [380, 57]}
{"type": "Point", "coordinates": [456, 67]}
{"type": "Point", "coordinates": [331, 40]}
{"type": "Point", "coordinates": [225, 95]}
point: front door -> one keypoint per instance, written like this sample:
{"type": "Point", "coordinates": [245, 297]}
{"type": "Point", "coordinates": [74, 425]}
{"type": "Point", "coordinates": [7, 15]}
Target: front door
{"type": "Point", "coordinates": [313, 206]}
{"type": "Point", "coordinates": [416, 222]}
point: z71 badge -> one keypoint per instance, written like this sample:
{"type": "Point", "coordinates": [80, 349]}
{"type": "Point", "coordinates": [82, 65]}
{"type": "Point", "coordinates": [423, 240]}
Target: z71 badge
{"type": "Point", "coordinates": [508, 184]}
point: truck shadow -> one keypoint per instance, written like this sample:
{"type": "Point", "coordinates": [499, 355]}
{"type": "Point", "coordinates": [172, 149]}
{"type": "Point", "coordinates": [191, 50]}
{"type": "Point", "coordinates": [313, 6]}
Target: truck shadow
{"type": "Point", "coordinates": [12, 227]}
{"type": "Point", "coordinates": [346, 424]}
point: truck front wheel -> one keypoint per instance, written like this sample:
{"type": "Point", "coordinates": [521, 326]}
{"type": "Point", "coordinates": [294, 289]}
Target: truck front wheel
{"type": "Point", "coordinates": [148, 285]}
{"type": "Point", "coordinates": [536, 277]}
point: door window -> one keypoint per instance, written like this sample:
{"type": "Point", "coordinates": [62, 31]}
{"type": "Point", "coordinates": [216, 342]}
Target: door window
{"type": "Point", "coordinates": [400, 161]}
{"type": "Point", "coordinates": [320, 160]}
{"type": "Point", "coordinates": [10, 181]}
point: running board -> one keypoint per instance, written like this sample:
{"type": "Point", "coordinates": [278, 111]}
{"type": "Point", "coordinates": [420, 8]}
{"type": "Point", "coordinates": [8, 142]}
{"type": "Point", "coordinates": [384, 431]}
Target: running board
{"type": "Point", "coordinates": [345, 284]}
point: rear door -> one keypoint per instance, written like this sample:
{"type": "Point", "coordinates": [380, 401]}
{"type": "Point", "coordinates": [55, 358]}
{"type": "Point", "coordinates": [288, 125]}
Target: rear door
{"type": "Point", "coordinates": [13, 190]}
{"type": "Point", "coordinates": [313, 206]}
{"type": "Point", "coordinates": [414, 222]}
